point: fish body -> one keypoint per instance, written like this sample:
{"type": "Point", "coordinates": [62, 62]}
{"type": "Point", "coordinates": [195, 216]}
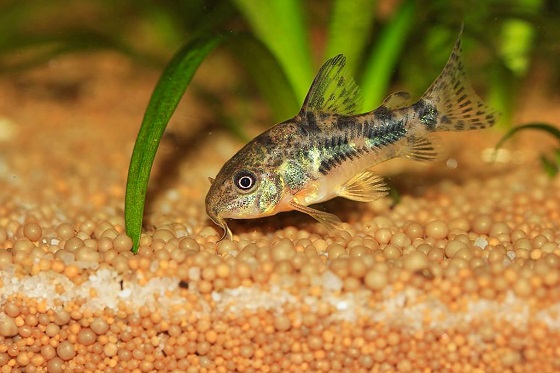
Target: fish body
{"type": "Point", "coordinates": [328, 149]}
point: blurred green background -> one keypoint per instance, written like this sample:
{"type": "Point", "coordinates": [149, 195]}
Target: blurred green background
{"type": "Point", "coordinates": [389, 44]}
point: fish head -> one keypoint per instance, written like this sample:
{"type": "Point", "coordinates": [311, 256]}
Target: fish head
{"type": "Point", "coordinates": [243, 189]}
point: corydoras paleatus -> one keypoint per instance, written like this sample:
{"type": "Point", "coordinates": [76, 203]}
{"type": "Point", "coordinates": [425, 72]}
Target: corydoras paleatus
{"type": "Point", "coordinates": [328, 149]}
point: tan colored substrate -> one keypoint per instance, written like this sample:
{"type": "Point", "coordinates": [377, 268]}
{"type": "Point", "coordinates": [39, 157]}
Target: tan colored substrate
{"type": "Point", "coordinates": [462, 274]}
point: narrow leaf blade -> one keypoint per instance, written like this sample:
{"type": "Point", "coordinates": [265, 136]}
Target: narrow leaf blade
{"type": "Point", "coordinates": [349, 30]}
{"type": "Point", "coordinates": [267, 74]}
{"type": "Point", "coordinates": [381, 63]}
{"type": "Point", "coordinates": [552, 130]}
{"type": "Point", "coordinates": [281, 27]}
{"type": "Point", "coordinates": [165, 98]}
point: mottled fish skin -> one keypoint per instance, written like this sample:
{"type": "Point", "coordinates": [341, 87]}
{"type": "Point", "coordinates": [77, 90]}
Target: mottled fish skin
{"type": "Point", "coordinates": [327, 150]}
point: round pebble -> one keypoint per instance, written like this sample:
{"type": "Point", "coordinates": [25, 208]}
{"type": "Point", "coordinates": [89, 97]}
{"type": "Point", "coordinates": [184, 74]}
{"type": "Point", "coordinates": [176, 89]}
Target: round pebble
{"type": "Point", "coordinates": [32, 231]}
{"type": "Point", "coordinates": [65, 350]}
{"type": "Point", "coordinates": [8, 327]}
{"type": "Point", "coordinates": [437, 229]}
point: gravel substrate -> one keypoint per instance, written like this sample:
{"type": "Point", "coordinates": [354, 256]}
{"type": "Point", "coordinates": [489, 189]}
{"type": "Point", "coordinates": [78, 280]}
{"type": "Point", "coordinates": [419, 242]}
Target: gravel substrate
{"type": "Point", "coordinates": [462, 273]}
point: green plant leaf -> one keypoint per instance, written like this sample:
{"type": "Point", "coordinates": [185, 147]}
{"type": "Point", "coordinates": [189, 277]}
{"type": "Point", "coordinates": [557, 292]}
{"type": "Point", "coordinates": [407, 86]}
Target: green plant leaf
{"type": "Point", "coordinates": [554, 131]}
{"type": "Point", "coordinates": [280, 26]}
{"type": "Point", "coordinates": [267, 75]}
{"type": "Point", "coordinates": [551, 165]}
{"type": "Point", "coordinates": [349, 29]}
{"type": "Point", "coordinates": [165, 98]}
{"type": "Point", "coordinates": [383, 59]}
{"type": "Point", "coordinates": [517, 37]}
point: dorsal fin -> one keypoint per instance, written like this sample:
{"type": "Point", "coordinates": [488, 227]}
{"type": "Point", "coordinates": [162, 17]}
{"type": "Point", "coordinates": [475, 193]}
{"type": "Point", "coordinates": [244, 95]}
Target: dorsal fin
{"type": "Point", "coordinates": [397, 100]}
{"type": "Point", "coordinates": [333, 90]}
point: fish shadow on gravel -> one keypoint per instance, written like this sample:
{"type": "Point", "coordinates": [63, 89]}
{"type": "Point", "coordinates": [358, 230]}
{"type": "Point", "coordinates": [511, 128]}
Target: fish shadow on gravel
{"type": "Point", "coordinates": [175, 149]}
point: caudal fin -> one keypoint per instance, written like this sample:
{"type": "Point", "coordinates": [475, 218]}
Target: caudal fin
{"type": "Point", "coordinates": [450, 103]}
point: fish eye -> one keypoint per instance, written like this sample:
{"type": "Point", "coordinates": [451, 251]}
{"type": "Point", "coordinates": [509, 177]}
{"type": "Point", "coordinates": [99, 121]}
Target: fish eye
{"type": "Point", "coordinates": [245, 180]}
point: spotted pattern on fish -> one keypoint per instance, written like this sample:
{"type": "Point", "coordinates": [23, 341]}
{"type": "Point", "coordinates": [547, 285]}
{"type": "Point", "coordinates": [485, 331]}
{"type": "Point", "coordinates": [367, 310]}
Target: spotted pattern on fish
{"type": "Point", "coordinates": [337, 150]}
{"type": "Point", "coordinates": [427, 113]}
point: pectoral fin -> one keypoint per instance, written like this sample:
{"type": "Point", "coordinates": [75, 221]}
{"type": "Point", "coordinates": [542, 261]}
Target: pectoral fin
{"type": "Point", "coordinates": [423, 148]}
{"type": "Point", "coordinates": [364, 187]}
{"type": "Point", "coordinates": [329, 220]}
